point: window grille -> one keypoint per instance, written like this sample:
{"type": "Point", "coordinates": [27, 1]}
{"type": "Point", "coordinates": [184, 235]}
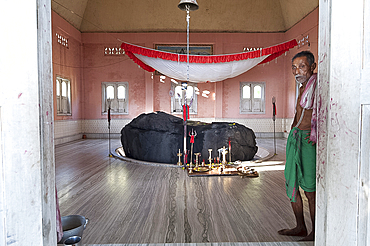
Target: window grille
{"type": "Point", "coordinates": [113, 51]}
{"type": "Point", "coordinates": [247, 49]}
{"type": "Point", "coordinates": [62, 40]}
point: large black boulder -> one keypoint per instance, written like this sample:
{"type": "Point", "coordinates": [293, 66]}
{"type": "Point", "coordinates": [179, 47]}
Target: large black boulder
{"type": "Point", "coordinates": [158, 136]}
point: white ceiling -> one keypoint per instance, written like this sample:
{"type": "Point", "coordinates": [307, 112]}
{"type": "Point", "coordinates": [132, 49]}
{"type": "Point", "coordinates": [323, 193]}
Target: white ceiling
{"type": "Point", "coordinates": [164, 15]}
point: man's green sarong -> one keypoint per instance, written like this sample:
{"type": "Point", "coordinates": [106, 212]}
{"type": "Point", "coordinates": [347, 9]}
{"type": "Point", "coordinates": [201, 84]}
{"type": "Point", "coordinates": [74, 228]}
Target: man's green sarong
{"type": "Point", "coordinates": [300, 166]}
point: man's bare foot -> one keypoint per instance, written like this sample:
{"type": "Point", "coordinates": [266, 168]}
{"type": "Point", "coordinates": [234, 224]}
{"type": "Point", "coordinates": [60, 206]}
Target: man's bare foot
{"type": "Point", "coordinates": [310, 237]}
{"type": "Point", "coordinates": [302, 232]}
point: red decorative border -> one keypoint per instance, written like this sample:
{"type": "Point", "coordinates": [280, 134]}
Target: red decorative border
{"type": "Point", "coordinates": [274, 52]}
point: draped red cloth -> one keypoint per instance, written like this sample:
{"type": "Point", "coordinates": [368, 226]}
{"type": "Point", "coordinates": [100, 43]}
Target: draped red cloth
{"type": "Point", "coordinates": [134, 52]}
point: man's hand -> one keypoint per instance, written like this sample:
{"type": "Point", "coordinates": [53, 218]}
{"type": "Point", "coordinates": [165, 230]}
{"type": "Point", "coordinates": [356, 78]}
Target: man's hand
{"type": "Point", "coordinates": [308, 137]}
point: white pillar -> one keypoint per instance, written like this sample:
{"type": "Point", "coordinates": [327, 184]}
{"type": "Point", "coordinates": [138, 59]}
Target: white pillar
{"type": "Point", "coordinates": [344, 86]}
{"type": "Point", "coordinates": [27, 172]}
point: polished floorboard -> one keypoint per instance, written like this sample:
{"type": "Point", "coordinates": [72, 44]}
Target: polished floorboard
{"type": "Point", "coordinates": [133, 203]}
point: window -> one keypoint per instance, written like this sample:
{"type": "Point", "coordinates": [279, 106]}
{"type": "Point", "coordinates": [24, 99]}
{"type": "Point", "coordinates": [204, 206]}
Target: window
{"type": "Point", "coordinates": [62, 40]}
{"type": "Point", "coordinates": [63, 92]}
{"type": "Point", "coordinates": [248, 49]}
{"type": "Point", "coordinates": [179, 91]}
{"type": "Point", "coordinates": [113, 51]}
{"type": "Point", "coordinates": [115, 94]}
{"type": "Point", "coordinates": [252, 98]}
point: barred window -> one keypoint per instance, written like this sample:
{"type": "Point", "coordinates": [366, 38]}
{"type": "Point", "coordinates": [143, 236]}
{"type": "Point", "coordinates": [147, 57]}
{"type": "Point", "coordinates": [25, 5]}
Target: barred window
{"type": "Point", "coordinates": [177, 98]}
{"type": "Point", "coordinates": [63, 95]}
{"type": "Point", "coordinates": [115, 95]}
{"type": "Point", "coordinates": [252, 98]}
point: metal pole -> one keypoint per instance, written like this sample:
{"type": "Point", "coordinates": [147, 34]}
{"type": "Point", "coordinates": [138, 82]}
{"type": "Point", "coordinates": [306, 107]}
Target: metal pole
{"type": "Point", "coordinates": [274, 118]}
{"type": "Point", "coordinates": [109, 119]}
{"type": "Point", "coordinates": [185, 123]}
{"type": "Point", "coordinates": [187, 72]}
{"type": "Point", "coordinates": [187, 40]}
{"type": "Point", "coordinates": [110, 153]}
{"type": "Point", "coordinates": [274, 137]}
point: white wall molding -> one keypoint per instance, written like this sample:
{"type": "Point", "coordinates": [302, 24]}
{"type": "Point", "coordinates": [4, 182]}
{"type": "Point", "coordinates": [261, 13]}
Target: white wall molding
{"type": "Point", "coordinates": [71, 130]}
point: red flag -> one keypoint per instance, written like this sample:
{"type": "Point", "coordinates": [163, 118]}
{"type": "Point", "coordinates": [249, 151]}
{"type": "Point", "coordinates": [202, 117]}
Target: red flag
{"type": "Point", "coordinates": [191, 138]}
{"type": "Point", "coordinates": [185, 111]}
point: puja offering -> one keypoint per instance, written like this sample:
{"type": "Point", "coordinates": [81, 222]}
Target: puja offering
{"type": "Point", "coordinates": [197, 159]}
{"type": "Point", "coordinates": [210, 157]}
{"type": "Point", "coordinates": [200, 169]}
{"type": "Point", "coordinates": [179, 155]}
{"type": "Point", "coordinates": [246, 171]}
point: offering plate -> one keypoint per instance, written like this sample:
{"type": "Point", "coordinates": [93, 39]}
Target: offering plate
{"type": "Point", "coordinates": [200, 169]}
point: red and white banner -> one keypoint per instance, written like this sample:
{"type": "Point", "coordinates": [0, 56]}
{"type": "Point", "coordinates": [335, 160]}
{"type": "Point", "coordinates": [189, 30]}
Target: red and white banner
{"type": "Point", "coordinates": [209, 68]}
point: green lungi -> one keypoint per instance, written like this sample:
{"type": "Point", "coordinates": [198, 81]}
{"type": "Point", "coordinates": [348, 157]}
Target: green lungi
{"type": "Point", "coordinates": [300, 166]}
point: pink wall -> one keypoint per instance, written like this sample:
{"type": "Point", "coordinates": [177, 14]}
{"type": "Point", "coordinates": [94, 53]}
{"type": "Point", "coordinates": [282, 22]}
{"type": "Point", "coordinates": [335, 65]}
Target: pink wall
{"type": "Point", "coordinates": [162, 99]}
{"type": "Point", "coordinates": [307, 26]}
{"type": "Point", "coordinates": [99, 68]}
{"type": "Point", "coordinates": [161, 94]}
{"type": "Point", "coordinates": [68, 64]}
{"type": "Point", "coordinates": [147, 93]}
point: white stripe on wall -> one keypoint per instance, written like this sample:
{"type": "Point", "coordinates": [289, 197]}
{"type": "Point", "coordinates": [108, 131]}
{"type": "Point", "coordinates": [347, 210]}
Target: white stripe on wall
{"type": "Point", "coordinates": [69, 130]}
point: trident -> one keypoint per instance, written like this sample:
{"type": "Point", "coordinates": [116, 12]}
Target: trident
{"type": "Point", "coordinates": [192, 136]}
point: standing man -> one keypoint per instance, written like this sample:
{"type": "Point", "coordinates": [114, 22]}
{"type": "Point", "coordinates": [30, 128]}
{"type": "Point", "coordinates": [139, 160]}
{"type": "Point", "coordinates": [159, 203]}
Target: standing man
{"type": "Point", "coordinates": [300, 167]}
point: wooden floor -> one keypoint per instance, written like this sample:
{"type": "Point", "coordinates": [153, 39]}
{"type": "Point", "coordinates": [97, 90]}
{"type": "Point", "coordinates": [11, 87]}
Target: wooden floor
{"type": "Point", "coordinates": [131, 203]}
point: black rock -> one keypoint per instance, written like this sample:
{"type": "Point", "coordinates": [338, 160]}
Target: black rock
{"type": "Point", "coordinates": [157, 137]}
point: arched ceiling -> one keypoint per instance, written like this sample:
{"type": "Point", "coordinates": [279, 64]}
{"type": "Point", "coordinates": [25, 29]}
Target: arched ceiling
{"type": "Point", "coordinates": [164, 15]}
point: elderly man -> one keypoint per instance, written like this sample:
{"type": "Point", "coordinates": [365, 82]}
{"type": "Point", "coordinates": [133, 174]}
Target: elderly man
{"type": "Point", "coordinates": [300, 167]}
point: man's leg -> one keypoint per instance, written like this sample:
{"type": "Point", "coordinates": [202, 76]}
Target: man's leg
{"type": "Point", "coordinates": [300, 229]}
{"type": "Point", "coordinates": [311, 197]}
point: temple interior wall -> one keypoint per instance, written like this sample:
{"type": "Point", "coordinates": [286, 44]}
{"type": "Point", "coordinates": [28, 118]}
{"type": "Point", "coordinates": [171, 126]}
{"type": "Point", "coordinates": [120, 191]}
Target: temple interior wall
{"type": "Point", "coordinates": [343, 156]}
{"type": "Point", "coordinates": [86, 65]}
